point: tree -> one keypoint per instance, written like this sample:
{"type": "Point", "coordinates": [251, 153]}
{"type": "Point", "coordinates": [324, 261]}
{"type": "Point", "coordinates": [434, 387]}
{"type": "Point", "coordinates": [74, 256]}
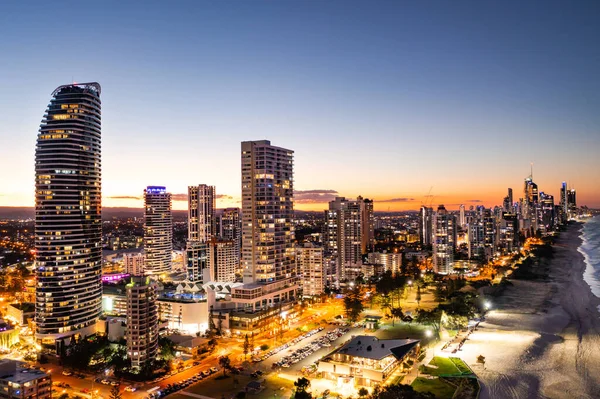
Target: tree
{"type": "Point", "coordinates": [430, 317]}
{"type": "Point", "coordinates": [167, 348]}
{"type": "Point", "coordinates": [115, 393]}
{"type": "Point", "coordinates": [418, 297]}
{"type": "Point", "coordinates": [211, 323]}
{"type": "Point", "coordinates": [246, 348]}
{"type": "Point", "coordinates": [220, 324]}
{"type": "Point", "coordinates": [363, 392]}
{"type": "Point", "coordinates": [225, 363]}
{"type": "Point", "coordinates": [396, 314]}
{"type": "Point", "coordinates": [302, 385]}
{"type": "Point", "coordinates": [353, 304]}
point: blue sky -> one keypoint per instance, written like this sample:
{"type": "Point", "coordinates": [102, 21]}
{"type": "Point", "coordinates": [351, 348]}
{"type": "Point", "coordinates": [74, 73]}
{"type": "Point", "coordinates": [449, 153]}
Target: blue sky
{"type": "Point", "coordinates": [383, 99]}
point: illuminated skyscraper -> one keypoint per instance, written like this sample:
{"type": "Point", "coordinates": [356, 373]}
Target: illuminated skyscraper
{"type": "Point", "coordinates": [158, 231]}
{"type": "Point", "coordinates": [347, 232]}
{"type": "Point", "coordinates": [142, 321]}
{"type": "Point", "coordinates": [309, 262]}
{"type": "Point", "coordinates": [425, 225]}
{"type": "Point", "coordinates": [68, 225]}
{"type": "Point", "coordinates": [222, 261]}
{"type": "Point", "coordinates": [461, 216]}
{"type": "Point", "coordinates": [230, 228]}
{"type": "Point", "coordinates": [267, 213]}
{"type": "Point", "coordinates": [201, 213]}
{"type": "Point", "coordinates": [444, 240]}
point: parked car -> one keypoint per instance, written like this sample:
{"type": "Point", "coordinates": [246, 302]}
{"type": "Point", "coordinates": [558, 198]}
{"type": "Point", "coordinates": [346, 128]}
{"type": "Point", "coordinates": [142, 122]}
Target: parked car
{"type": "Point", "coordinates": [213, 370]}
{"type": "Point", "coordinates": [130, 388]}
{"type": "Point", "coordinates": [115, 383]}
{"type": "Point", "coordinates": [105, 382]}
{"type": "Point", "coordinates": [67, 372]}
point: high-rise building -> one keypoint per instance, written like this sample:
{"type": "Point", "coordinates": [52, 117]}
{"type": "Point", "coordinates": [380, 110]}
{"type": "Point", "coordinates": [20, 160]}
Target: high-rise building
{"type": "Point", "coordinates": [547, 216]}
{"type": "Point", "coordinates": [476, 240]}
{"type": "Point", "coordinates": [158, 230]}
{"type": "Point", "coordinates": [347, 231]}
{"type": "Point", "coordinates": [444, 240]}
{"type": "Point", "coordinates": [202, 220]}
{"type": "Point", "coordinates": [230, 228]}
{"type": "Point", "coordinates": [309, 262]}
{"type": "Point", "coordinates": [426, 225]}
{"type": "Point", "coordinates": [267, 213]}
{"type": "Point", "coordinates": [68, 224]}
{"type": "Point", "coordinates": [572, 202]}
{"type": "Point", "coordinates": [461, 216]}
{"type": "Point", "coordinates": [197, 261]}
{"type": "Point", "coordinates": [134, 264]}
{"type": "Point", "coordinates": [222, 261]}
{"type": "Point", "coordinates": [142, 321]}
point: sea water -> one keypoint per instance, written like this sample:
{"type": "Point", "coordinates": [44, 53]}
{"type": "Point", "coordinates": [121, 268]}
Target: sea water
{"type": "Point", "coordinates": [590, 248]}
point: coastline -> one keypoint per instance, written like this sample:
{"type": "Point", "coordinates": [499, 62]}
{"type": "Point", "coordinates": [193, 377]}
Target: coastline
{"type": "Point", "coordinates": [543, 337]}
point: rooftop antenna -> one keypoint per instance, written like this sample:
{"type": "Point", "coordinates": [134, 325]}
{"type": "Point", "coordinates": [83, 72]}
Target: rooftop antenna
{"type": "Point", "coordinates": [531, 173]}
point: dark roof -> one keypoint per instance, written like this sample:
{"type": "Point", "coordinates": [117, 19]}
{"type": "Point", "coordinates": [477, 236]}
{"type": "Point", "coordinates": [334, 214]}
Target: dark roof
{"type": "Point", "coordinates": [371, 347]}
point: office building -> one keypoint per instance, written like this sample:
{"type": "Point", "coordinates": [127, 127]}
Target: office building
{"type": "Point", "coordinates": [20, 382]}
{"type": "Point", "coordinates": [134, 264]}
{"type": "Point", "coordinates": [462, 221]}
{"type": "Point", "coordinates": [68, 224]}
{"type": "Point", "coordinates": [142, 321]}
{"type": "Point", "coordinates": [158, 230]}
{"type": "Point", "coordinates": [222, 261]}
{"type": "Point", "coordinates": [309, 262]}
{"type": "Point", "coordinates": [202, 220]}
{"type": "Point", "coordinates": [444, 240]}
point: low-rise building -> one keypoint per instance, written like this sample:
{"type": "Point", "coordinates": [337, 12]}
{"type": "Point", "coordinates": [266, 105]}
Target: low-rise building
{"type": "Point", "coordinates": [366, 360]}
{"type": "Point", "coordinates": [18, 382]}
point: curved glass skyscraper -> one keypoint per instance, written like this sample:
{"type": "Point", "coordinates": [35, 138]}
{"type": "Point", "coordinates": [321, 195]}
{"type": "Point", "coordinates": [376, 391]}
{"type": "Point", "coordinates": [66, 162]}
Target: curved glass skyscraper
{"type": "Point", "coordinates": [68, 225]}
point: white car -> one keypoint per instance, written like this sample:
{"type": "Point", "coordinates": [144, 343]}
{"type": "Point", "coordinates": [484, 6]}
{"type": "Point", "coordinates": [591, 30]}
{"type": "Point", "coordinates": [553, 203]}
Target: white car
{"type": "Point", "coordinates": [130, 389]}
{"type": "Point", "coordinates": [66, 372]}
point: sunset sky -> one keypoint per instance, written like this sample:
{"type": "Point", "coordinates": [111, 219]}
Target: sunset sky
{"type": "Point", "coordinates": [384, 99]}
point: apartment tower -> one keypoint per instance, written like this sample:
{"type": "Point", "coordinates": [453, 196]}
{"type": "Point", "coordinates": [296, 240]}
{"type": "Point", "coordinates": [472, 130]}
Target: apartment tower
{"type": "Point", "coordinates": [68, 223]}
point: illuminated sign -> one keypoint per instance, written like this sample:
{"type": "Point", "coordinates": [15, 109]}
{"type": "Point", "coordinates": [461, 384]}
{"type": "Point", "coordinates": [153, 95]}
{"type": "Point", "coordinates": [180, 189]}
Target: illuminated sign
{"type": "Point", "coordinates": [156, 190]}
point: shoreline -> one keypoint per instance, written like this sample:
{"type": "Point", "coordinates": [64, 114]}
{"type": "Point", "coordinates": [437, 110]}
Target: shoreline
{"type": "Point", "coordinates": [543, 337]}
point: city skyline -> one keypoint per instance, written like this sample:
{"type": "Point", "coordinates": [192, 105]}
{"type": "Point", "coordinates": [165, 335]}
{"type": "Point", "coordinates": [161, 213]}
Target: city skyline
{"type": "Point", "coordinates": [403, 106]}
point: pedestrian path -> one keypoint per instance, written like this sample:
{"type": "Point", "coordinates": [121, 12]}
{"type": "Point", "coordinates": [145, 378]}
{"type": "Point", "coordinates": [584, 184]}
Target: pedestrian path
{"type": "Point", "coordinates": [193, 395]}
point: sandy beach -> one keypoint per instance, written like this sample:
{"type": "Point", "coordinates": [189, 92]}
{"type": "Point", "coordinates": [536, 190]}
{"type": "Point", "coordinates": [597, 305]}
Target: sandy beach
{"type": "Point", "coordinates": [542, 340]}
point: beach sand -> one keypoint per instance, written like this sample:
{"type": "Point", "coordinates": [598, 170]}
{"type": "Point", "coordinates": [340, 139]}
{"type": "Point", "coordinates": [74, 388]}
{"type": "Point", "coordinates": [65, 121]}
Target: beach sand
{"type": "Point", "coordinates": [543, 338]}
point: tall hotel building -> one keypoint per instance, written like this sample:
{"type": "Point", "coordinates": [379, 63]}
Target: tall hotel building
{"type": "Point", "coordinates": [68, 225]}
{"type": "Point", "coordinates": [142, 321]}
{"type": "Point", "coordinates": [267, 213]}
{"type": "Point", "coordinates": [230, 228]}
{"type": "Point", "coordinates": [201, 213]}
{"type": "Point", "coordinates": [201, 229]}
{"type": "Point", "coordinates": [158, 231]}
{"type": "Point", "coordinates": [444, 240]}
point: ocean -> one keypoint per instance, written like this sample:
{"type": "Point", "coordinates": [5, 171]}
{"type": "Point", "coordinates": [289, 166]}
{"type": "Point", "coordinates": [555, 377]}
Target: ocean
{"type": "Point", "coordinates": [590, 248]}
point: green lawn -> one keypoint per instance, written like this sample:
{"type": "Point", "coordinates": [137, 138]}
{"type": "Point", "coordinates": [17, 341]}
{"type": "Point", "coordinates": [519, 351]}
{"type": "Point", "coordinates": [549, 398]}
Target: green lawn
{"type": "Point", "coordinates": [441, 366]}
{"type": "Point", "coordinates": [460, 365]}
{"type": "Point", "coordinates": [403, 330]}
{"type": "Point", "coordinates": [215, 388]}
{"type": "Point", "coordinates": [439, 388]}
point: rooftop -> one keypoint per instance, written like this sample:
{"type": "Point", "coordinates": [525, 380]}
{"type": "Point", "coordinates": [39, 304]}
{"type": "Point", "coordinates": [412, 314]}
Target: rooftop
{"type": "Point", "coordinates": [370, 347]}
{"type": "Point", "coordinates": [13, 371]}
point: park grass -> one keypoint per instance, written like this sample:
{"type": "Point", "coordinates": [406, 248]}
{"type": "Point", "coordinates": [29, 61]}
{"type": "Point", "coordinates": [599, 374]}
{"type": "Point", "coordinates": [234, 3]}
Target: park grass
{"type": "Point", "coordinates": [460, 365]}
{"type": "Point", "coordinates": [402, 330]}
{"type": "Point", "coordinates": [442, 366]}
{"type": "Point", "coordinates": [436, 386]}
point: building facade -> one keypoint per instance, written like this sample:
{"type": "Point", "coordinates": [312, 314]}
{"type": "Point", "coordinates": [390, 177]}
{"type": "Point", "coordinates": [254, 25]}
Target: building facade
{"type": "Point", "coordinates": [222, 260]}
{"type": "Point", "coordinates": [391, 261]}
{"type": "Point", "coordinates": [19, 382]}
{"type": "Point", "coordinates": [68, 223]}
{"type": "Point", "coordinates": [142, 321]}
{"type": "Point", "coordinates": [196, 261]}
{"type": "Point", "coordinates": [230, 228]}
{"type": "Point", "coordinates": [426, 225]}
{"type": "Point", "coordinates": [309, 262]}
{"type": "Point", "coordinates": [202, 222]}
{"type": "Point", "coordinates": [444, 240]}
{"type": "Point", "coordinates": [158, 230]}
{"type": "Point", "coordinates": [134, 264]}
{"type": "Point", "coordinates": [267, 213]}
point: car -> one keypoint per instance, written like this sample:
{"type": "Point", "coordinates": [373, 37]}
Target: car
{"type": "Point", "coordinates": [105, 382]}
{"type": "Point", "coordinates": [67, 372]}
{"type": "Point", "coordinates": [85, 390]}
{"type": "Point", "coordinates": [115, 383]}
{"type": "Point", "coordinates": [196, 363]}
{"type": "Point", "coordinates": [130, 388]}
{"type": "Point", "coordinates": [205, 373]}
{"type": "Point", "coordinates": [213, 370]}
